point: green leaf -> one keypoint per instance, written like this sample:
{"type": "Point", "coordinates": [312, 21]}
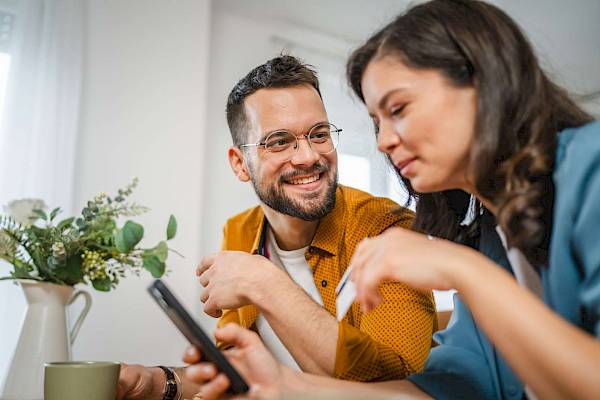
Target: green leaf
{"type": "Point", "coordinates": [161, 251]}
{"type": "Point", "coordinates": [171, 228]}
{"type": "Point", "coordinates": [73, 272]}
{"type": "Point", "coordinates": [154, 265]}
{"type": "Point", "coordinates": [129, 236]}
{"type": "Point", "coordinates": [87, 214]}
{"type": "Point", "coordinates": [65, 223]}
{"type": "Point", "coordinates": [40, 214]}
{"type": "Point", "coordinates": [102, 285]}
{"type": "Point", "coordinates": [54, 213]}
{"type": "Point", "coordinates": [21, 270]}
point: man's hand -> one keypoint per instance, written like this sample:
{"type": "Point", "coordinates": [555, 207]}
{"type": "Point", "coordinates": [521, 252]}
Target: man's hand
{"type": "Point", "coordinates": [250, 358]}
{"type": "Point", "coordinates": [139, 382]}
{"type": "Point", "coordinates": [233, 279]}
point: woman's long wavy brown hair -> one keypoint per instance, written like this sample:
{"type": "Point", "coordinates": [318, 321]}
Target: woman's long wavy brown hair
{"type": "Point", "coordinates": [519, 113]}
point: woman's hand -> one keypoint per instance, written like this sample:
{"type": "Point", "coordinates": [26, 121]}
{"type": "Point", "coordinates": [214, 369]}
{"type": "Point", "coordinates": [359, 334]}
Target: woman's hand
{"type": "Point", "coordinates": [250, 358]}
{"type": "Point", "coordinates": [417, 260]}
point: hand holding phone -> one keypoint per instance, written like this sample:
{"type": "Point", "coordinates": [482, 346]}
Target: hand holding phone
{"type": "Point", "coordinates": [195, 335]}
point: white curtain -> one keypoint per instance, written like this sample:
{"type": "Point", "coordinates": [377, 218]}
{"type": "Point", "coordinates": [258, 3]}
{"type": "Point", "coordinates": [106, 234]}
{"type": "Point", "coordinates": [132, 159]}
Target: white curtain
{"type": "Point", "coordinates": [37, 136]}
{"type": "Point", "coordinates": [39, 124]}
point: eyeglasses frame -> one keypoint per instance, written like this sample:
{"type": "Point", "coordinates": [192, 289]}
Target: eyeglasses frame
{"type": "Point", "coordinates": [298, 138]}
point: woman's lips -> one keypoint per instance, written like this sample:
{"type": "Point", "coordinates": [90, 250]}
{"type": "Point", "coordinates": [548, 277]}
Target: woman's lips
{"type": "Point", "coordinates": [404, 166]}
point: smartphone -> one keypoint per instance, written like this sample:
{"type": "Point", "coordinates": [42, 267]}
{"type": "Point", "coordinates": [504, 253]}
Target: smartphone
{"type": "Point", "coordinates": [195, 335]}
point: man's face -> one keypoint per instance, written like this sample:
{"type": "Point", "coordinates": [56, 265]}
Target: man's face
{"type": "Point", "coordinates": [303, 186]}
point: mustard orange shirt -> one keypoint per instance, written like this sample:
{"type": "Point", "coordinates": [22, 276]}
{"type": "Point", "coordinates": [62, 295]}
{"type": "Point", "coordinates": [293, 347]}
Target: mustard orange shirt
{"type": "Point", "coordinates": [392, 341]}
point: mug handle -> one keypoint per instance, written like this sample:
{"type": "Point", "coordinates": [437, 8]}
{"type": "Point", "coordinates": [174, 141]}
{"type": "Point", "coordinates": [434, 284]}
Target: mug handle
{"type": "Point", "coordinates": [82, 315]}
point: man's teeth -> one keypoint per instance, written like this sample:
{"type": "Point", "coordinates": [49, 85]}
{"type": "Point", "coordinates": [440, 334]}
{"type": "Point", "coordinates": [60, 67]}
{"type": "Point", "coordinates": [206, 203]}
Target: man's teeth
{"type": "Point", "coordinates": [304, 181]}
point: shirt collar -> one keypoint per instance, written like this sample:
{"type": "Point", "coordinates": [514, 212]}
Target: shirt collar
{"type": "Point", "coordinates": [261, 232]}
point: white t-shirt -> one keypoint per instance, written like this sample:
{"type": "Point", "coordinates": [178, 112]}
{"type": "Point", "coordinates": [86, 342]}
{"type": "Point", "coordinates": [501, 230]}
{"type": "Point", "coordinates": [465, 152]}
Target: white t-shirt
{"type": "Point", "coordinates": [295, 264]}
{"type": "Point", "coordinates": [526, 276]}
{"type": "Point", "coordinates": [524, 272]}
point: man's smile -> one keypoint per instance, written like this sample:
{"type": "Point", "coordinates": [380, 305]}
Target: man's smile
{"type": "Point", "coordinates": [304, 180]}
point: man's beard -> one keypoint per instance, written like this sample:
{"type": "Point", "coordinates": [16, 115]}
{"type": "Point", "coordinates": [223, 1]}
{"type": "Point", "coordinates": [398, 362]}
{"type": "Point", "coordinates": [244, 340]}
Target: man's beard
{"type": "Point", "coordinates": [274, 196]}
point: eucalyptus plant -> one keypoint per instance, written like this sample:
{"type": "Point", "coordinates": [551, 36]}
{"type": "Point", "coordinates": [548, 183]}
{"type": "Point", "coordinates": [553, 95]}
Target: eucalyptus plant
{"type": "Point", "coordinates": [89, 249]}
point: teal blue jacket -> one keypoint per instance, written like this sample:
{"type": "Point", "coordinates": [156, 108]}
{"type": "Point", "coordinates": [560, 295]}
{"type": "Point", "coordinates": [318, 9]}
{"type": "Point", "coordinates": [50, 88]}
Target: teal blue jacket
{"type": "Point", "coordinates": [466, 365]}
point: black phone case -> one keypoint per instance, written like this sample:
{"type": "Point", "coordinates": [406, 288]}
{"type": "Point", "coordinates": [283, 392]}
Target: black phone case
{"type": "Point", "coordinates": [195, 335]}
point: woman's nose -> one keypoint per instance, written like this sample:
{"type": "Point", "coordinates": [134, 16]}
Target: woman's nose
{"type": "Point", "coordinates": [387, 138]}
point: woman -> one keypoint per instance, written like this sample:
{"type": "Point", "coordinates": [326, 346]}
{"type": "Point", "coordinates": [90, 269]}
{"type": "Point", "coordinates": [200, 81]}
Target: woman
{"type": "Point", "coordinates": [464, 111]}
{"type": "Point", "coordinates": [479, 133]}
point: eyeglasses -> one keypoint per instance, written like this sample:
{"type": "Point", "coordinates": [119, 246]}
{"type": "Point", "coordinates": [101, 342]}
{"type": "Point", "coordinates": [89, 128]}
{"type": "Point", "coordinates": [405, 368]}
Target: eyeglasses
{"type": "Point", "coordinates": [322, 138]}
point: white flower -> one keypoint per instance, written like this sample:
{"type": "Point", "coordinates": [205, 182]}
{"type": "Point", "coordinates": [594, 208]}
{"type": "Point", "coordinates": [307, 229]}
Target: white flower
{"type": "Point", "coordinates": [22, 210]}
{"type": "Point", "coordinates": [99, 199]}
{"type": "Point", "coordinates": [58, 250]}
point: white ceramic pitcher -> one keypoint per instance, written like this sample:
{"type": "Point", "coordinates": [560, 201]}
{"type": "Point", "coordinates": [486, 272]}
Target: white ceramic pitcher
{"type": "Point", "coordinates": [44, 337]}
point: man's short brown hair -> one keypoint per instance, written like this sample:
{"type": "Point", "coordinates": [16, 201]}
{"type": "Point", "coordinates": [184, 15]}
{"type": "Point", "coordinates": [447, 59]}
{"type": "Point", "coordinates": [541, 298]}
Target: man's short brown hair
{"type": "Point", "coordinates": [279, 72]}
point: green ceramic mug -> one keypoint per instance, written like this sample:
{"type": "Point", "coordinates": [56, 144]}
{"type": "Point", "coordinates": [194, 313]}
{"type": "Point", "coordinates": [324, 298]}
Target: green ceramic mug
{"type": "Point", "coordinates": [76, 380]}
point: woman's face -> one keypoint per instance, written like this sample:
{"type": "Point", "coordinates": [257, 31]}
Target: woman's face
{"type": "Point", "coordinates": [425, 123]}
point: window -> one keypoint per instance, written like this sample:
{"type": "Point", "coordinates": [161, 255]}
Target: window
{"type": "Point", "coordinates": [354, 171]}
{"type": "Point", "coordinates": [7, 20]}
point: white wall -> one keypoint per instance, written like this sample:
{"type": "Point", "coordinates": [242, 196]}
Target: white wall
{"type": "Point", "coordinates": [143, 114]}
{"type": "Point", "coordinates": [236, 44]}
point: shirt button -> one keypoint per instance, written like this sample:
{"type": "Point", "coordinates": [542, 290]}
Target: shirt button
{"type": "Point", "coordinates": [512, 390]}
{"type": "Point", "coordinates": [324, 283]}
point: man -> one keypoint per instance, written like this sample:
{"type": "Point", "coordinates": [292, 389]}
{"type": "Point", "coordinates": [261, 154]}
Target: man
{"type": "Point", "coordinates": [282, 260]}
